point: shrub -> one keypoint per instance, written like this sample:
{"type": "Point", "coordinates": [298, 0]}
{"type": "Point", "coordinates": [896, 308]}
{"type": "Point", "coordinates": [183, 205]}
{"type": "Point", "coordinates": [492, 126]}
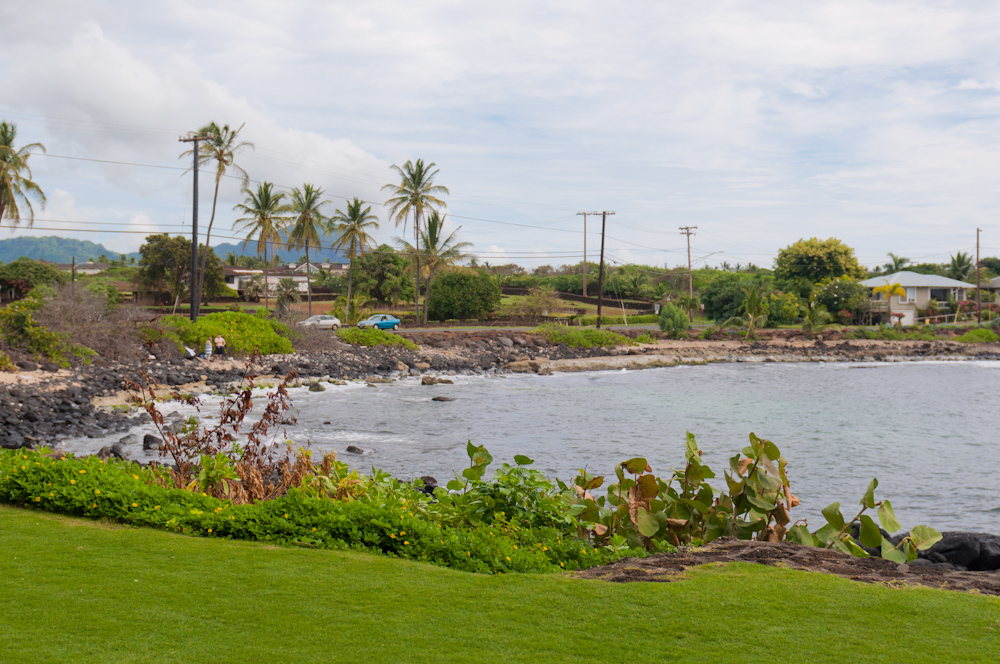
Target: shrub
{"type": "Point", "coordinates": [244, 333]}
{"type": "Point", "coordinates": [20, 331]}
{"type": "Point", "coordinates": [979, 336]}
{"type": "Point", "coordinates": [463, 295]}
{"type": "Point", "coordinates": [374, 337]}
{"type": "Point", "coordinates": [578, 338]}
{"type": "Point", "coordinates": [128, 493]}
{"type": "Point", "coordinates": [673, 321]}
{"type": "Point", "coordinates": [641, 319]}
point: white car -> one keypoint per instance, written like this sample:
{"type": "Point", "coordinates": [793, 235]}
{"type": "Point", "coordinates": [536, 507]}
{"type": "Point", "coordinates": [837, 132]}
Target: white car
{"type": "Point", "coordinates": [322, 322]}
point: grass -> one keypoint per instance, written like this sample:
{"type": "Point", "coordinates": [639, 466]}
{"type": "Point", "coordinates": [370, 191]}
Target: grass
{"type": "Point", "coordinates": [85, 591]}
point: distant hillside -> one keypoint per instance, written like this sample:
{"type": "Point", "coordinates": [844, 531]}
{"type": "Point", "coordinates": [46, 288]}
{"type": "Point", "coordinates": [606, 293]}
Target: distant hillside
{"type": "Point", "coordinates": [50, 248]}
{"type": "Point", "coordinates": [63, 250]}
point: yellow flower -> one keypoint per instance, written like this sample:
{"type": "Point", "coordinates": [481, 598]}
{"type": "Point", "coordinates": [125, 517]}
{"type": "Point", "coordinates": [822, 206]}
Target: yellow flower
{"type": "Point", "coordinates": [72, 481]}
{"type": "Point", "coordinates": [515, 547]}
{"type": "Point", "coordinates": [405, 542]}
{"type": "Point", "coordinates": [314, 530]}
{"type": "Point", "coordinates": [286, 516]}
{"type": "Point", "coordinates": [468, 553]}
{"type": "Point", "coordinates": [37, 499]}
{"type": "Point", "coordinates": [82, 472]}
{"type": "Point", "coordinates": [545, 548]}
{"type": "Point", "coordinates": [134, 476]}
{"type": "Point", "coordinates": [135, 504]}
{"type": "Point", "coordinates": [209, 530]}
{"type": "Point", "coordinates": [52, 495]}
{"type": "Point", "coordinates": [508, 558]}
{"type": "Point", "coordinates": [561, 565]}
{"type": "Point", "coordinates": [97, 491]}
{"type": "Point", "coordinates": [392, 535]}
{"type": "Point", "coordinates": [157, 507]}
{"type": "Point", "coordinates": [95, 505]}
{"type": "Point", "coordinates": [402, 532]}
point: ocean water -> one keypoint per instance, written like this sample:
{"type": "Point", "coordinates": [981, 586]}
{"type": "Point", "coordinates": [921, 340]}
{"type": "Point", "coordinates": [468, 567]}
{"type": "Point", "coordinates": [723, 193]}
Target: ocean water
{"type": "Point", "coordinates": [926, 430]}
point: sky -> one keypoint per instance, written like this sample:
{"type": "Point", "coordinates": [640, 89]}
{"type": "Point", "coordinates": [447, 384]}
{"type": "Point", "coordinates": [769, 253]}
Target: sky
{"type": "Point", "coordinates": [759, 123]}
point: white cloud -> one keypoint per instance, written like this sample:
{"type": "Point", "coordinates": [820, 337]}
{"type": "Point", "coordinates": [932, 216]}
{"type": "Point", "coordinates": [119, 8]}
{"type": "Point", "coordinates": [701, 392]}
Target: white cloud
{"type": "Point", "coordinates": [876, 122]}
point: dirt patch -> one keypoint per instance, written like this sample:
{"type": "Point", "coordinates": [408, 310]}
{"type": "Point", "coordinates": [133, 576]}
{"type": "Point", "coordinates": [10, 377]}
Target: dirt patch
{"type": "Point", "coordinates": [671, 566]}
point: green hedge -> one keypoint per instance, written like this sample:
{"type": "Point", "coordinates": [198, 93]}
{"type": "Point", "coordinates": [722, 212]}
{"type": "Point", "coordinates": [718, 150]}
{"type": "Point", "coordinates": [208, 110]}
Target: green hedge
{"type": "Point", "coordinates": [121, 492]}
{"type": "Point", "coordinates": [644, 319]}
{"type": "Point", "coordinates": [580, 338]}
{"type": "Point", "coordinates": [244, 333]}
{"type": "Point", "coordinates": [373, 337]}
{"type": "Point", "coordinates": [980, 335]}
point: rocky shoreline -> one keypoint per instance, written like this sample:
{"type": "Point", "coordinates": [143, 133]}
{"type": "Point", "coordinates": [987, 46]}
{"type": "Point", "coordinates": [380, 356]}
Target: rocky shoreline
{"type": "Point", "coordinates": [41, 404]}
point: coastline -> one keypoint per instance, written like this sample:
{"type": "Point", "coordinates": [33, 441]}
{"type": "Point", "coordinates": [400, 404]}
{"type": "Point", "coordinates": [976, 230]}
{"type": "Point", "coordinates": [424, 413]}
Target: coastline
{"type": "Point", "coordinates": [41, 405]}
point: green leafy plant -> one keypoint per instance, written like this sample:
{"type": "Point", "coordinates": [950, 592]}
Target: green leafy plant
{"type": "Point", "coordinates": [673, 321]}
{"type": "Point", "coordinates": [374, 337]}
{"type": "Point", "coordinates": [980, 335]}
{"type": "Point", "coordinates": [579, 338]}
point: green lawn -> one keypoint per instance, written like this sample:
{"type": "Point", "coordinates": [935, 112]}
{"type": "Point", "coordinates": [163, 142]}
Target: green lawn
{"type": "Point", "coordinates": [80, 591]}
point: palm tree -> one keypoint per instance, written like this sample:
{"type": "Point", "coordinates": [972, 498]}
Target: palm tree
{"type": "Point", "coordinates": [816, 318]}
{"type": "Point", "coordinates": [352, 310]}
{"type": "Point", "coordinates": [309, 221]}
{"type": "Point", "coordinates": [352, 231]}
{"type": "Point", "coordinates": [16, 187]}
{"type": "Point", "coordinates": [896, 263]}
{"type": "Point", "coordinates": [287, 292]}
{"type": "Point", "coordinates": [690, 304]}
{"type": "Point", "coordinates": [960, 267]}
{"type": "Point", "coordinates": [439, 252]}
{"type": "Point", "coordinates": [220, 146]}
{"type": "Point", "coordinates": [263, 219]}
{"type": "Point", "coordinates": [889, 290]}
{"type": "Point", "coordinates": [232, 259]}
{"type": "Point", "coordinates": [415, 192]}
{"type": "Point", "coordinates": [252, 288]}
{"type": "Point", "coordinates": [754, 310]}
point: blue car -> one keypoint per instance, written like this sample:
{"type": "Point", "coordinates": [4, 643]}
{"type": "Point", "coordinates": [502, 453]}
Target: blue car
{"type": "Point", "coordinates": [381, 322]}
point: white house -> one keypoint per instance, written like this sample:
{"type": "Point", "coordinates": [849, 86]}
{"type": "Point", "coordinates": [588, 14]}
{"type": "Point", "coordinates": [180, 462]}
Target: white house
{"type": "Point", "coordinates": [920, 290]}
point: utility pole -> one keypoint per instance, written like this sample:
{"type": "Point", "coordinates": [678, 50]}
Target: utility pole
{"type": "Point", "coordinates": [979, 283]}
{"type": "Point", "coordinates": [600, 275]}
{"type": "Point", "coordinates": [194, 229]}
{"type": "Point", "coordinates": [585, 249]}
{"type": "Point", "coordinates": [689, 231]}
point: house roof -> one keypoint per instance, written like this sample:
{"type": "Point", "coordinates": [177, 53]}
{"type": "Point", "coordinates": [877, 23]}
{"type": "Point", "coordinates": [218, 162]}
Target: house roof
{"type": "Point", "coordinates": [908, 279]}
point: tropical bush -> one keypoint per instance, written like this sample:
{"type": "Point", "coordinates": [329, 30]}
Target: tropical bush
{"type": "Point", "coordinates": [582, 338]}
{"type": "Point", "coordinates": [461, 295]}
{"type": "Point", "coordinates": [244, 333]}
{"type": "Point", "coordinates": [673, 321]}
{"type": "Point", "coordinates": [981, 335]}
{"type": "Point", "coordinates": [782, 308]}
{"type": "Point", "coordinates": [373, 337]}
{"type": "Point", "coordinates": [21, 332]}
{"type": "Point", "coordinates": [125, 492]}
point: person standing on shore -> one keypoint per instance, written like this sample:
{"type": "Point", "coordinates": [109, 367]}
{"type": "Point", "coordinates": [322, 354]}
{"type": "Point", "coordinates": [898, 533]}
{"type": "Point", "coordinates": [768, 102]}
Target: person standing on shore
{"type": "Point", "coordinates": [208, 350]}
{"type": "Point", "coordinates": [220, 346]}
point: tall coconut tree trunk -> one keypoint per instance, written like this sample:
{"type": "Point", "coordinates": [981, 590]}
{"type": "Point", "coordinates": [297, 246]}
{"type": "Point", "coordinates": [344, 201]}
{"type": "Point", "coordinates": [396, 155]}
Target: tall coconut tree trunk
{"type": "Point", "coordinates": [416, 272]}
{"type": "Point", "coordinates": [309, 291]}
{"type": "Point", "coordinates": [267, 262]}
{"type": "Point", "coordinates": [427, 295]}
{"type": "Point", "coordinates": [204, 254]}
{"type": "Point", "coordinates": [177, 300]}
{"type": "Point", "coordinates": [350, 274]}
